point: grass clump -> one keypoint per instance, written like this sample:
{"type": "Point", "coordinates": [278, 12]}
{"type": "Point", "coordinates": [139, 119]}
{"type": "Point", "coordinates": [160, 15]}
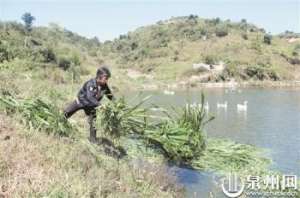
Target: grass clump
{"type": "Point", "coordinates": [180, 136]}
{"type": "Point", "coordinates": [225, 155]}
{"type": "Point", "coordinates": [117, 118]}
{"type": "Point", "coordinates": [37, 114]}
{"type": "Point", "coordinates": [178, 142]}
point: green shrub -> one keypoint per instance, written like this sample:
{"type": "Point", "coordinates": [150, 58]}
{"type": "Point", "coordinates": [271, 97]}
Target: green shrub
{"type": "Point", "coordinates": [192, 17]}
{"type": "Point", "coordinates": [64, 63]}
{"type": "Point", "coordinates": [294, 61]}
{"type": "Point", "coordinates": [221, 31]}
{"type": "Point", "coordinates": [245, 36]}
{"type": "Point", "coordinates": [214, 21]}
{"type": "Point", "coordinates": [4, 54]}
{"type": "Point", "coordinates": [256, 71]}
{"type": "Point", "coordinates": [210, 59]}
{"type": "Point", "coordinates": [295, 53]}
{"type": "Point", "coordinates": [268, 39]}
{"type": "Point", "coordinates": [243, 25]}
{"type": "Point", "coordinates": [296, 50]}
{"type": "Point", "coordinates": [261, 73]}
{"type": "Point", "coordinates": [75, 59]}
{"type": "Point", "coordinates": [48, 55]}
{"type": "Point", "coordinates": [6, 51]}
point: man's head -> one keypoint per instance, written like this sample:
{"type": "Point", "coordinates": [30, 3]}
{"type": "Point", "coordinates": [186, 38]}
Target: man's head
{"type": "Point", "coordinates": [102, 76]}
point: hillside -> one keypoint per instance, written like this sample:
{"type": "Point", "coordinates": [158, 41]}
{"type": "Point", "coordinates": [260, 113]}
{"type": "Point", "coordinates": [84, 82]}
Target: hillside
{"type": "Point", "coordinates": [43, 47]}
{"type": "Point", "coordinates": [181, 50]}
{"type": "Point", "coordinates": [167, 50]}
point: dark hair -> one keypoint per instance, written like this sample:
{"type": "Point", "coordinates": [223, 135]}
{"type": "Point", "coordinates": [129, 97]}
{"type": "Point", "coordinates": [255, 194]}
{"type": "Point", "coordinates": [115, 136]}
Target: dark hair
{"type": "Point", "coordinates": [103, 71]}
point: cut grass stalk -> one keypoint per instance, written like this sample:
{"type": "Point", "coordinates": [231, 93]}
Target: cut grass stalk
{"type": "Point", "coordinates": [37, 114]}
{"type": "Point", "coordinates": [180, 136]}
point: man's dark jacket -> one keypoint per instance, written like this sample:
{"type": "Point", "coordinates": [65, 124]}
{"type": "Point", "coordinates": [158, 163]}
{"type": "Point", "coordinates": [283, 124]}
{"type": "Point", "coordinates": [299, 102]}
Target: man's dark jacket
{"type": "Point", "coordinates": [91, 93]}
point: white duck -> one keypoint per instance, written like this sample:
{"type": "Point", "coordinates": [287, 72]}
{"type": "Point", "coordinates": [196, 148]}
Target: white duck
{"type": "Point", "coordinates": [157, 109]}
{"type": "Point", "coordinates": [206, 106]}
{"type": "Point", "coordinates": [222, 105]}
{"type": "Point", "coordinates": [168, 91]}
{"type": "Point", "coordinates": [242, 107]}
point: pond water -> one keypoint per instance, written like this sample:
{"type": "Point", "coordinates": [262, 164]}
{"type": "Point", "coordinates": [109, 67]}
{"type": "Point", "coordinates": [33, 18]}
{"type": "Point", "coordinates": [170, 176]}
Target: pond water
{"type": "Point", "coordinates": [272, 121]}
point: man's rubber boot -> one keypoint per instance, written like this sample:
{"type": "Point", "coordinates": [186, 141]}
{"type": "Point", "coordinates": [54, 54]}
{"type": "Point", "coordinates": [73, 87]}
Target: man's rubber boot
{"type": "Point", "coordinates": [92, 120]}
{"type": "Point", "coordinates": [93, 138]}
{"type": "Point", "coordinates": [93, 131]}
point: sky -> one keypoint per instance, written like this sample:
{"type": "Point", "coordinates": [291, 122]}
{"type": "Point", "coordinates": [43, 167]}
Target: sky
{"type": "Point", "coordinates": [107, 19]}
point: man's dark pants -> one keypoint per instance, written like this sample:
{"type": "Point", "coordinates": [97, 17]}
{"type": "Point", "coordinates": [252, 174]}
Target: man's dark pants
{"type": "Point", "coordinates": [89, 111]}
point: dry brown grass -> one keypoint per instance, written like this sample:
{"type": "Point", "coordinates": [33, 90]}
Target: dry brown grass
{"type": "Point", "coordinates": [36, 165]}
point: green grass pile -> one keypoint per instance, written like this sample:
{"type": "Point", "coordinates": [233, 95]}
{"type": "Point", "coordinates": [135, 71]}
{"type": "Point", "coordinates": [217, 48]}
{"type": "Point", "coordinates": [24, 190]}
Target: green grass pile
{"type": "Point", "coordinates": [37, 114]}
{"type": "Point", "coordinates": [225, 156]}
{"type": "Point", "coordinates": [180, 136]}
{"type": "Point", "coordinates": [117, 118]}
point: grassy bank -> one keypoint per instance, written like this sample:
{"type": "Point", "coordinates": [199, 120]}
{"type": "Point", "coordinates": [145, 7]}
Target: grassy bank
{"type": "Point", "coordinates": [34, 164]}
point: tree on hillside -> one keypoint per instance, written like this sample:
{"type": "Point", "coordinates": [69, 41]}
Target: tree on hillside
{"type": "Point", "coordinates": [215, 21]}
{"type": "Point", "coordinates": [193, 18]}
{"type": "Point", "coordinates": [28, 20]}
{"type": "Point", "coordinates": [243, 21]}
{"type": "Point", "coordinates": [243, 24]}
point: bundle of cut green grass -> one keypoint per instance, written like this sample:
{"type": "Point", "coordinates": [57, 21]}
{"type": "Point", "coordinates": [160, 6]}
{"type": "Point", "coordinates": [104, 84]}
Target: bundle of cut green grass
{"type": "Point", "coordinates": [225, 156]}
{"type": "Point", "coordinates": [180, 136]}
{"type": "Point", "coordinates": [37, 114]}
{"type": "Point", "coordinates": [117, 118]}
